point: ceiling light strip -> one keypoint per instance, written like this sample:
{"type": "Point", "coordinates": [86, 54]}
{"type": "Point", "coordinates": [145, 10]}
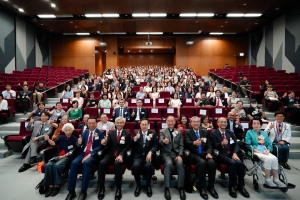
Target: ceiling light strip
{"type": "Point", "coordinates": [46, 16]}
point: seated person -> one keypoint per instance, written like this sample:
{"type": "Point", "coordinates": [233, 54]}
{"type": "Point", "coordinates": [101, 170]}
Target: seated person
{"type": "Point", "coordinates": [154, 94]}
{"type": "Point", "coordinates": [139, 112]}
{"type": "Point", "coordinates": [3, 107]}
{"type": "Point", "coordinates": [218, 99]}
{"type": "Point", "coordinates": [269, 160]}
{"type": "Point", "coordinates": [39, 130]}
{"type": "Point", "coordinates": [96, 86]}
{"type": "Point", "coordinates": [55, 167]}
{"type": "Point", "coordinates": [291, 105]}
{"type": "Point", "coordinates": [24, 97]}
{"type": "Point", "coordinates": [58, 126]}
{"type": "Point", "coordinates": [83, 126]}
{"type": "Point", "coordinates": [83, 92]}
{"type": "Point", "coordinates": [79, 99]}
{"type": "Point", "coordinates": [92, 101]}
{"type": "Point", "coordinates": [104, 102]}
{"type": "Point", "coordinates": [245, 85]}
{"type": "Point", "coordinates": [104, 124]}
{"type": "Point", "coordinates": [272, 97]}
{"type": "Point", "coordinates": [214, 85]}
{"type": "Point", "coordinates": [20, 87]}
{"type": "Point", "coordinates": [57, 112]}
{"type": "Point", "coordinates": [175, 103]}
{"type": "Point", "coordinates": [199, 93]}
{"type": "Point", "coordinates": [225, 94]}
{"type": "Point", "coordinates": [129, 93]}
{"type": "Point", "coordinates": [210, 94]}
{"type": "Point", "coordinates": [121, 111]}
{"type": "Point", "coordinates": [239, 109]}
{"type": "Point", "coordinates": [189, 93]}
{"type": "Point", "coordinates": [75, 113]}
{"type": "Point", "coordinates": [38, 92]}
{"type": "Point", "coordinates": [82, 84]}
{"type": "Point", "coordinates": [183, 123]}
{"type": "Point", "coordinates": [180, 94]}
{"type": "Point", "coordinates": [255, 111]}
{"type": "Point", "coordinates": [141, 94]}
{"type": "Point", "coordinates": [67, 93]}
{"type": "Point", "coordinates": [205, 123]}
{"type": "Point", "coordinates": [36, 113]}
{"type": "Point", "coordinates": [202, 101]}
{"type": "Point", "coordinates": [9, 93]}
{"type": "Point", "coordinates": [105, 91]}
{"type": "Point", "coordinates": [234, 125]}
{"type": "Point", "coordinates": [231, 101]}
{"type": "Point", "coordinates": [116, 101]}
{"type": "Point", "coordinates": [169, 88]}
{"type": "Point", "coordinates": [280, 135]}
{"type": "Point", "coordinates": [209, 82]}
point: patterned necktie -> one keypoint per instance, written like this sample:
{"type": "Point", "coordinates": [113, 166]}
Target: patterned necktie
{"type": "Point", "coordinates": [224, 137]}
{"type": "Point", "coordinates": [200, 147]}
{"type": "Point", "coordinates": [40, 133]}
{"type": "Point", "coordinates": [89, 144]}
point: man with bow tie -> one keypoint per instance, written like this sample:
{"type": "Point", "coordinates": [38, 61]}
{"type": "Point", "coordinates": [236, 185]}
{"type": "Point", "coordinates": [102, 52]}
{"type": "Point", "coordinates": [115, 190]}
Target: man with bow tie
{"type": "Point", "coordinates": [280, 135]}
{"type": "Point", "coordinates": [89, 144]}
{"type": "Point", "coordinates": [144, 147]}
{"type": "Point", "coordinates": [117, 143]}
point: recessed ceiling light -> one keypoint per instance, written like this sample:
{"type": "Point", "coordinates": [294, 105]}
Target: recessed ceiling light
{"type": "Point", "coordinates": [216, 33]}
{"type": "Point", "coordinates": [47, 16]}
{"type": "Point", "coordinates": [205, 14]}
{"type": "Point", "coordinates": [226, 22]}
{"type": "Point", "coordinates": [110, 15]}
{"type": "Point", "coordinates": [51, 30]}
{"type": "Point", "coordinates": [53, 5]}
{"type": "Point", "coordinates": [128, 51]}
{"type": "Point", "coordinates": [244, 4]}
{"type": "Point", "coordinates": [196, 21]}
{"type": "Point", "coordinates": [158, 14]}
{"type": "Point", "coordinates": [42, 24]}
{"type": "Point", "coordinates": [82, 33]}
{"type": "Point", "coordinates": [256, 23]}
{"type": "Point", "coordinates": [21, 10]}
{"type": "Point", "coordinates": [222, 26]}
{"type": "Point", "coordinates": [71, 22]}
{"type": "Point", "coordinates": [187, 15]}
{"type": "Point", "coordinates": [235, 15]}
{"type": "Point", "coordinates": [140, 51]}
{"type": "Point", "coordinates": [151, 50]}
{"type": "Point", "coordinates": [140, 15]}
{"type": "Point", "coordinates": [276, 8]}
{"type": "Point", "coordinates": [93, 15]}
{"type": "Point", "coordinates": [253, 15]}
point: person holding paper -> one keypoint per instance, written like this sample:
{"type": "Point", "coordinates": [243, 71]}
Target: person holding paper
{"type": "Point", "coordinates": [39, 129]}
{"type": "Point", "coordinates": [198, 143]}
{"type": "Point", "coordinates": [171, 141]}
{"type": "Point", "coordinates": [139, 112]}
{"type": "Point", "coordinates": [55, 166]}
{"type": "Point", "coordinates": [225, 142]}
{"type": "Point", "coordinates": [269, 160]}
{"type": "Point", "coordinates": [92, 101]}
{"type": "Point", "coordinates": [89, 144]}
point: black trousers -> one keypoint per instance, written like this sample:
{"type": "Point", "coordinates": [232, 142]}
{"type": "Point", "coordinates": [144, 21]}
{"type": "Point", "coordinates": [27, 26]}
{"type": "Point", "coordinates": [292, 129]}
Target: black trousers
{"type": "Point", "coordinates": [141, 165]}
{"type": "Point", "coordinates": [236, 171]}
{"type": "Point", "coordinates": [294, 117]}
{"type": "Point", "coordinates": [275, 105]}
{"type": "Point", "coordinates": [103, 166]}
{"type": "Point", "coordinates": [24, 102]}
{"type": "Point", "coordinates": [205, 165]}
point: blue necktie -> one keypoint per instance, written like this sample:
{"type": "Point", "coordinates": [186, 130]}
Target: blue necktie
{"type": "Point", "coordinates": [200, 147]}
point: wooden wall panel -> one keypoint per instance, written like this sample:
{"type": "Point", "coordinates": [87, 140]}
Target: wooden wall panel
{"type": "Point", "coordinates": [146, 59]}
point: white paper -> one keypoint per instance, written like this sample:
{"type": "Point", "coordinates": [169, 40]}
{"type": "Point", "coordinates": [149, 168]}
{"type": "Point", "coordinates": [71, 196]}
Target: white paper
{"type": "Point", "coordinates": [264, 126]}
{"type": "Point", "coordinates": [245, 125]}
{"type": "Point", "coordinates": [202, 112]}
{"type": "Point", "coordinates": [164, 125]}
{"type": "Point", "coordinates": [170, 110]}
{"type": "Point", "coordinates": [147, 101]}
{"type": "Point", "coordinates": [133, 100]}
{"type": "Point", "coordinates": [26, 123]}
{"type": "Point", "coordinates": [219, 110]}
{"type": "Point", "coordinates": [188, 100]}
{"type": "Point", "coordinates": [148, 126]}
{"type": "Point", "coordinates": [65, 100]}
{"type": "Point", "coordinates": [154, 110]}
{"type": "Point", "coordinates": [161, 100]}
{"type": "Point", "coordinates": [106, 110]}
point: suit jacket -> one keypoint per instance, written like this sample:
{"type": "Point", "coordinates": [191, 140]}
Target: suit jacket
{"type": "Point", "coordinates": [151, 144]}
{"type": "Point", "coordinates": [64, 144]}
{"type": "Point", "coordinates": [98, 87]}
{"type": "Point", "coordinates": [223, 95]}
{"type": "Point", "coordinates": [144, 114]}
{"type": "Point", "coordinates": [28, 93]}
{"type": "Point", "coordinates": [109, 126]}
{"type": "Point", "coordinates": [236, 128]}
{"type": "Point", "coordinates": [286, 132]}
{"type": "Point", "coordinates": [287, 103]}
{"type": "Point", "coordinates": [81, 126]}
{"type": "Point", "coordinates": [214, 101]}
{"type": "Point", "coordinates": [113, 146]}
{"type": "Point", "coordinates": [96, 146]}
{"type": "Point", "coordinates": [177, 142]}
{"type": "Point", "coordinates": [190, 137]}
{"type": "Point", "coordinates": [126, 113]}
{"type": "Point", "coordinates": [208, 83]}
{"type": "Point", "coordinates": [216, 139]}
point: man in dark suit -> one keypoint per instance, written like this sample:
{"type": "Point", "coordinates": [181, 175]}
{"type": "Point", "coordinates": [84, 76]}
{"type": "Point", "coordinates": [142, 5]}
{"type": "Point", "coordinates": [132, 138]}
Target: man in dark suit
{"type": "Point", "coordinates": [199, 145]}
{"type": "Point", "coordinates": [125, 86]}
{"type": "Point", "coordinates": [117, 144]}
{"type": "Point", "coordinates": [96, 86]}
{"type": "Point", "coordinates": [225, 94]}
{"type": "Point", "coordinates": [172, 151]}
{"type": "Point", "coordinates": [234, 125]}
{"type": "Point", "coordinates": [138, 113]}
{"type": "Point", "coordinates": [84, 125]}
{"type": "Point", "coordinates": [209, 82]}
{"type": "Point", "coordinates": [89, 145]}
{"type": "Point", "coordinates": [180, 94]}
{"type": "Point", "coordinates": [144, 147]}
{"type": "Point", "coordinates": [121, 111]}
{"type": "Point", "coordinates": [218, 100]}
{"type": "Point", "coordinates": [225, 142]}
{"type": "Point", "coordinates": [24, 97]}
{"type": "Point", "coordinates": [291, 104]}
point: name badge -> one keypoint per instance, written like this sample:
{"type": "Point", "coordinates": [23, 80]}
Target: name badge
{"type": "Point", "coordinates": [231, 141]}
{"type": "Point", "coordinates": [58, 114]}
{"type": "Point", "coordinates": [174, 134]}
{"type": "Point", "coordinates": [97, 138]}
{"type": "Point", "coordinates": [148, 138]}
{"type": "Point", "coordinates": [46, 129]}
{"type": "Point", "coordinates": [70, 147]}
{"type": "Point", "coordinates": [125, 113]}
{"type": "Point", "coordinates": [142, 112]}
{"type": "Point", "coordinates": [93, 102]}
{"type": "Point", "coordinates": [122, 141]}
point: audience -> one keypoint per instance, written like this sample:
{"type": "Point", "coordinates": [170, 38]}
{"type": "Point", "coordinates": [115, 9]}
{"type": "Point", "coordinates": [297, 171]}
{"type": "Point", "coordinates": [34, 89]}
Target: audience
{"type": "Point", "coordinates": [129, 93]}
{"type": "Point", "coordinates": [255, 111]}
{"type": "Point", "coordinates": [38, 92]}
{"type": "Point", "coordinates": [9, 93]}
{"type": "Point", "coordinates": [245, 85]}
{"type": "Point", "coordinates": [239, 109]}
{"type": "Point", "coordinates": [104, 124]}
{"type": "Point", "coordinates": [75, 113]}
{"type": "Point", "coordinates": [67, 93]}
{"type": "Point", "coordinates": [57, 112]}
{"type": "Point", "coordinates": [210, 94]}
{"type": "Point", "coordinates": [291, 105]}
{"type": "Point", "coordinates": [79, 99]}
{"type": "Point", "coordinates": [231, 101]}
{"type": "Point", "coordinates": [36, 113]}
{"type": "Point", "coordinates": [83, 92]}
{"type": "Point", "coordinates": [272, 97]}
{"type": "Point", "coordinates": [92, 102]}
{"type": "Point", "coordinates": [104, 102]}
{"type": "Point", "coordinates": [24, 98]}
{"type": "Point", "coordinates": [205, 123]}
{"type": "Point", "coordinates": [183, 123]}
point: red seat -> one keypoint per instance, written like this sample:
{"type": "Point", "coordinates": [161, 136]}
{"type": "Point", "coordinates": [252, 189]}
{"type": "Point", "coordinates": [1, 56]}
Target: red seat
{"type": "Point", "coordinates": [131, 102]}
{"type": "Point", "coordinates": [147, 103]}
{"type": "Point", "coordinates": [154, 114]}
{"type": "Point", "coordinates": [93, 112]}
{"type": "Point", "coordinates": [161, 103]}
{"type": "Point", "coordinates": [201, 111]}
{"type": "Point", "coordinates": [188, 102]}
{"type": "Point", "coordinates": [164, 94]}
{"type": "Point", "coordinates": [217, 112]}
{"type": "Point", "coordinates": [170, 111]}
{"type": "Point", "coordinates": [65, 102]}
{"type": "Point", "coordinates": [107, 111]}
{"type": "Point", "coordinates": [188, 111]}
{"type": "Point", "coordinates": [11, 105]}
{"type": "Point", "coordinates": [130, 127]}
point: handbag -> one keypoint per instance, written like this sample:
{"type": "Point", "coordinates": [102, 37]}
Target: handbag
{"type": "Point", "coordinates": [41, 187]}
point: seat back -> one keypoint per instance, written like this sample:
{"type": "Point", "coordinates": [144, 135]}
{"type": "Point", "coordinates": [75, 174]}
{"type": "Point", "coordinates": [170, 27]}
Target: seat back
{"type": "Point", "coordinates": [93, 112]}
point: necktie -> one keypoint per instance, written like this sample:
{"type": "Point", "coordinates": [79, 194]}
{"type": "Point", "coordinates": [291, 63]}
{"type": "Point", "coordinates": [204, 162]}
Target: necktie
{"type": "Point", "coordinates": [144, 139]}
{"type": "Point", "coordinates": [224, 137]}
{"type": "Point", "coordinates": [218, 101]}
{"type": "Point", "coordinates": [118, 139]}
{"type": "Point", "coordinates": [40, 132]}
{"type": "Point", "coordinates": [200, 147]}
{"type": "Point", "coordinates": [89, 144]}
{"type": "Point", "coordinates": [280, 128]}
{"type": "Point", "coordinates": [121, 112]}
{"type": "Point", "coordinates": [139, 113]}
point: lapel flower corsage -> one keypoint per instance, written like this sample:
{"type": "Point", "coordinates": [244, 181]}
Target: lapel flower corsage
{"type": "Point", "coordinates": [176, 132]}
{"type": "Point", "coordinates": [122, 138]}
{"type": "Point", "coordinates": [150, 135]}
{"type": "Point", "coordinates": [96, 134]}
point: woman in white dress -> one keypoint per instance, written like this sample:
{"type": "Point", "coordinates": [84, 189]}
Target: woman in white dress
{"type": "Point", "coordinates": [198, 95]}
{"type": "Point", "coordinates": [154, 94]}
{"type": "Point", "coordinates": [175, 103]}
{"type": "Point", "coordinates": [148, 88]}
{"type": "Point", "coordinates": [116, 91]}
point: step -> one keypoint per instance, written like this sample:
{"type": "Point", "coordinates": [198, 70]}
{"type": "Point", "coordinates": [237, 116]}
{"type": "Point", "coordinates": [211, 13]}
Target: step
{"type": "Point", "coordinates": [13, 126]}
{"type": "Point", "coordinates": [294, 154]}
{"type": "Point", "coordinates": [4, 133]}
{"type": "Point", "coordinates": [295, 133]}
{"type": "Point", "coordinates": [295, 128]}
{"type": "Point", "coordinates": [295, 143]}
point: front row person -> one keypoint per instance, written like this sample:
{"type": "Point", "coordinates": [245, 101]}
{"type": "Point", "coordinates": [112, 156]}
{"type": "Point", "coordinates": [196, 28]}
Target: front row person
{"type": "Point", "coordinates": [54, 168]}
{"type": "Point", "coordinates": [89, 144]}
{"type": "Point", "coordinates": [199, 145]}
{"type": "Point", "coordinates": [262, 147]}
{"type": "Point", "coordinates": [172, 151]}
{"type": "Point", "coordinates": [144, 147]}
{"type": "Point", "coordinates": [117, 143]}
{"type": "Point", "coordinates": [225, 142]}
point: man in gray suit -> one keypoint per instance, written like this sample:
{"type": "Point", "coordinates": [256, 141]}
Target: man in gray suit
{"type": "Point", "coordinates": [172, 152]}
{"type": "Point", "coordinates": [104, 124]}
{"type": "Point", "coordinates": [40, 128]}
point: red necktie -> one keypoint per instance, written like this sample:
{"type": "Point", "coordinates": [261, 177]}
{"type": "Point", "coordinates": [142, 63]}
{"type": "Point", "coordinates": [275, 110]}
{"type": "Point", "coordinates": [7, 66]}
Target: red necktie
{"type": "Point", "coordinates": [118, 140]}
{"type": "Point", "coordinates": [218, 102]}
{"type": "Point", "coordinates": [90, 141]}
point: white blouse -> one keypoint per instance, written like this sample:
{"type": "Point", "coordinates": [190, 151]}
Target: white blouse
{"type": "Point", "coordinates": [174, 103]}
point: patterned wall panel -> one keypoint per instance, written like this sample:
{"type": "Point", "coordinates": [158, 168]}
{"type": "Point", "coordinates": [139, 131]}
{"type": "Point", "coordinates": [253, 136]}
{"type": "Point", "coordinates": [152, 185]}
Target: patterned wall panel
{"type": "Point", "coordinates": [42, 48]}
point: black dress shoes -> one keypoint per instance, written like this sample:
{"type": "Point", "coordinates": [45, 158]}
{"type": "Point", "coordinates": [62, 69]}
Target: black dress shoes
{"type": "Point", "coordinates": [243, 191]}
{"type": "Point", "coordinates": [286, 166]}
{"type": "Point", "coordinates": [167, 194]}
{"type": "Point", "coordinates": [33, 160]}
{"type": "Point", "coordinates": [118, 194]}
{"type": "Point", "coordinates": [101, 193]}
{"type": "Point", "coordinates": [24, 167]}
{"type": "Point", "coordinates": [49, 191]}
{"type": "Point", "coordinates": [232, 192]}
{"type": "Point", "coordinates": [203, 193]}
{"type": "Point", "coordinates": [213, 192]}
{"type": "Point", "coordinates": [137, 191]}
{"type": "Point", "coordinates": [182, 194]}
{"type": "Point", "coordinates": [55, 191]}
{"type": "Point", "coordinates": [71, 196]}
{"type": "Point", "coordinates": [149, 191]}
{"type": "Point", "coordinates": [82, 196]}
